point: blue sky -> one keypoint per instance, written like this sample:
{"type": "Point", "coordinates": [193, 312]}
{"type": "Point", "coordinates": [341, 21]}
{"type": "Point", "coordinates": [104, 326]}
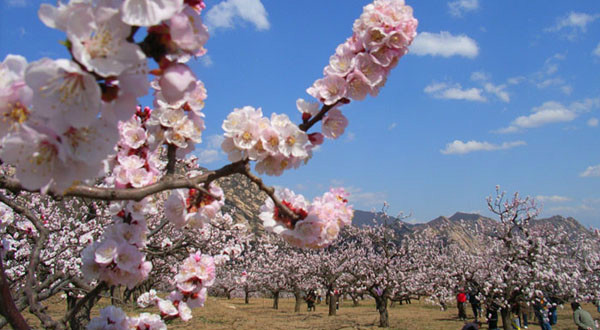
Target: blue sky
{"type": "Point", "coordinates": [492, 92]}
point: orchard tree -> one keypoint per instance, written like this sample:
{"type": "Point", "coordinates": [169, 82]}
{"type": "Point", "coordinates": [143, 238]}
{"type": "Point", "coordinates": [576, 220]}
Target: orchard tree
{"type": "Point", "coordinates": [386, 266]}
{"type": "Point", "coordinates": [519, 263]}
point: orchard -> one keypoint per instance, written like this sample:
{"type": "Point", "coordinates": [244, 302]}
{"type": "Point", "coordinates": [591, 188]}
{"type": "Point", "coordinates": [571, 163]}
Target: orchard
{"type": "Point", "coordinates": [101, 195]}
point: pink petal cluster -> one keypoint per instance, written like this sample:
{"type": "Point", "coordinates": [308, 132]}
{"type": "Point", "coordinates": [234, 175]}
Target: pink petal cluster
{"type": "Point", "coordinates": [147, 299]}
{"type": "Point", "coordinates": [177, 118]}
{"type": "Point", "coordinates": [276, 144]}
{"type": "Point", "coordinates": [116, 258]}
{"type": "Point", "coordinates": [137, 162]}
{"type": "Point", "coordinates": [360, 66]}
{"type": "Point", "coordinates": [192, 207]}
{"type": "Point", "coordinates": [196, 273]}
{"type": "Point", "coordinates": [111, 318]}
{"type": "Point", "coordinates": [320, 221]}
{"type": "Point", "coordinates": [147, 321]}
{"type": "Point", "coordinates": [15, 95]}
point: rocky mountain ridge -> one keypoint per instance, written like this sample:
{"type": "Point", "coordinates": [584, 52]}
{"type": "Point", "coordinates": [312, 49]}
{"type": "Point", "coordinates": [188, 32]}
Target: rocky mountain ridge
{"type": "Point", "coordinates": [243, 200]}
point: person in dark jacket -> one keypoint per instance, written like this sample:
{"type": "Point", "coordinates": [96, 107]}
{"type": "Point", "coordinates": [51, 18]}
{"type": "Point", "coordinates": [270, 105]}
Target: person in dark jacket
{"type": "Point", "coordinates": [475, 304]}
{"type": "Point", "coordinates": [491, 313]}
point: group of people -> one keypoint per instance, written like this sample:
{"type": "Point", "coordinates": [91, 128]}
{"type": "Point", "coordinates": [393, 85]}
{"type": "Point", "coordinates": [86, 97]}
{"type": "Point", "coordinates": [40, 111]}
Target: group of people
{"type": "Point", "coordinates": [544, 311]}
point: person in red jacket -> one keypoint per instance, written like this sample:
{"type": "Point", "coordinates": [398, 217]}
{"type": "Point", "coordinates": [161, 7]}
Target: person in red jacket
{"type": "Point", "coordinates": [461, 300]}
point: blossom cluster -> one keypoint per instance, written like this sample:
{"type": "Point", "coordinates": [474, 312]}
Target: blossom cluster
{"type": "Point", "coordinates": [196, 273]}
{"type": "Point", "coordinates": [116, 258]}
{"type": "Point", "coordinates": [276, 144]}
{"type": "Point", "coordinates": [177, 118]}
{"type": "Point", "coordinates": [192, 207]}
{"type": "Point", "coordinates": [360, 65]}
{"type": "Point", "coordinates": [137, 162]}
{"type": "Point", "coordinates": [60, 116]}
{"type": "Point", "coordinates": [50, 131]}
{"type": "Point", "coordinates": [319, 222]}
{"type": "Point", "coordinates": [113, 318]}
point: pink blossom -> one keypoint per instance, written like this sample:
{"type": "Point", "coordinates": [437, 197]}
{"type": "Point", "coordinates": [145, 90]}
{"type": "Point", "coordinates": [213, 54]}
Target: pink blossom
{"type": "Point", "coordinates": [99, 41]}
{"type": "Point", "coordinates": [176, 80]}
{"type": "Point", "coordinates": [149, 12]}
{"type": "Point", "coordinates": [63, 93]}
{"type": "Point", "coordinates": [188, 32]}
{"type": "Point", "coordinates": [334, 124]}
{"type": "Point", "coordinates": [328, 90]}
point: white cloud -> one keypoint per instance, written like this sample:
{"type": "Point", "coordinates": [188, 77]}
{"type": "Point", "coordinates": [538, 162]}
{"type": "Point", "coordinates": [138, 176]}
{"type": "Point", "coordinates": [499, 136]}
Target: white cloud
{"type": "Point", "coordinates": [454, 92]}
{"type": "Point", "coordinates": [458, 147]}
{"type": "Point", "coordinates": [597, 50]}
{"type": "Point", "coordinates": [364, 199]}
{"type": "Point", "coordinates": [480, 76]}
{"type": "Point", "coordinates": [207, 156]}
{"type": "Point", "coordinates": [458, 7]}
{"type": "Point", "coordinates": [515, 80]}
{"type": "Point", "coordinates": [392, 126]}
{"type": "Point", "coordinates": [226, 13]}
{"type": "Point", "coordinates": [206, 61]}
{"type": "Point", "coordinates": [548, 113]}
{"type": "Point", "coordinates": [444, 44]}
{"type": "Point", "coordinates": [573, 20]}
{"type": "Point", "coordinates": [498, 91]}
{"type": "Point", "coordinates": [351, 136]}
{"type": "Point", "coordinates": [16, 3]}
{"type": "Point", "coordinates": [586, 105]}
{"type": "Point", "coordinates": [592, 122]}
{"type": "Point", "coordinates": [211, 151]}
{"type": "Point", "coordinates": [591, 171]}
{"type": "Point", "coordinates": [552, 199]}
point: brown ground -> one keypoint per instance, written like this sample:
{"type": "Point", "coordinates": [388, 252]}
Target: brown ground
{"type": "Point", "coordinates": [220, 313]}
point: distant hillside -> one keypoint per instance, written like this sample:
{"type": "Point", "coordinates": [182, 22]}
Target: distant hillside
{"type": "Point", "coordinates": [462, 227]}
{"type": "Point", "coordinates": [243, 199]}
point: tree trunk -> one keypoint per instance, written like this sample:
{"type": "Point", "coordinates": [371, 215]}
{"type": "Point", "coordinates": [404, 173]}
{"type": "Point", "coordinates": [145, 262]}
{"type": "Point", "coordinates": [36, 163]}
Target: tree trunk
{"type": "Point", "coordinates": [80, 320]}
{"type": "Point", "coordinates": [8, 309]}
{"type": "Point", "coordinates": [275, 299]}
{"type": "Point", "coordinates": [332, 304]}
{"type": "Point", "coordinates": [505, 313]}
{"type": "Point", "coordinates": [381, 303]}
{"type": "Point", "coordinates": [354, 300]}
{"type": "Point", "coordinates": [115, 295]}
{"type": "Point", "coordinates": [246, 297]}
{"type": "Point", "coordinates": [298, 296]}
{"type": "Point", "coordinates": [228, 294]}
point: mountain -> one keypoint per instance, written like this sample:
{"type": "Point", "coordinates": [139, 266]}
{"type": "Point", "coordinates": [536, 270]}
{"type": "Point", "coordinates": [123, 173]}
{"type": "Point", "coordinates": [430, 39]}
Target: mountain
{"type": "Point", "coordinates": [461, 227]}
{"type": "Point", "coordinates": [243, 200]}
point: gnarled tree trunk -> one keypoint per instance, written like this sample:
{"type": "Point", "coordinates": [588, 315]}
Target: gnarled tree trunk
{"type": "Point", "coordinates": [505, 313]}
{"type": "Point", "coordinates": [298, 296]}
{"type": "Point", "coordinates": [332, 303]}
{"type": "Point", "coordinates": [381, 304]}
{"type": "Point", "coordinates": [276, 299]}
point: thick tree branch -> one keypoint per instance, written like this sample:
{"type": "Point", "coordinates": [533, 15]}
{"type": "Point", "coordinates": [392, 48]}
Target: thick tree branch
{"type": "Point", "coordinates": [7, 304]}
{"type": "Point", "coordinates": [137, 194]}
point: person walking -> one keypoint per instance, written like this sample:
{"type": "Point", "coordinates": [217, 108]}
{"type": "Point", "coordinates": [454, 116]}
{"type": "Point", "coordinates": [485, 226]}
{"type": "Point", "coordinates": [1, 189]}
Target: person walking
{"type": "Point", "coordinates": [582, 318]}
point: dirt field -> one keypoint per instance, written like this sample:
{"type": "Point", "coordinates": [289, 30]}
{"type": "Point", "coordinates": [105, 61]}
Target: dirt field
{"type": "Point", "coordinates": [220, 313]}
